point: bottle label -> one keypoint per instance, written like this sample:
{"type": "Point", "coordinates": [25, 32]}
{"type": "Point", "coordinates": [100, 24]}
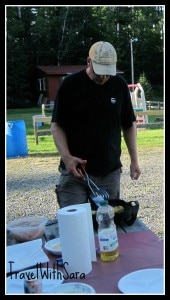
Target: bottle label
{"type": "Point", "coordinates": [108, 240]}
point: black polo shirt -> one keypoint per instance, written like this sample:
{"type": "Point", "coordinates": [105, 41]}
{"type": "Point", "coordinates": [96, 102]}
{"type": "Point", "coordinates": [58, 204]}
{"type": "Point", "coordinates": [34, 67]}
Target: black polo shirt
{"type": "Point", "coordinates": [92, 117]}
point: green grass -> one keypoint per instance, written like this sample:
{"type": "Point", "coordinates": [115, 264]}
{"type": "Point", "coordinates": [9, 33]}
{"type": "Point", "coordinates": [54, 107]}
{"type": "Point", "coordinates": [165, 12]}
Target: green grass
{"type": "Point", "coordinates": [146, 139]}
{"type": "Point", "coordinates": [46, 145]}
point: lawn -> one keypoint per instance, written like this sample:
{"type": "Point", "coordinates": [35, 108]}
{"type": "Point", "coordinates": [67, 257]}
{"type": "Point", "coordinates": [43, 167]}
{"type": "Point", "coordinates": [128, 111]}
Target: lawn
{"type": "Point", "coordinates": [146, 138]}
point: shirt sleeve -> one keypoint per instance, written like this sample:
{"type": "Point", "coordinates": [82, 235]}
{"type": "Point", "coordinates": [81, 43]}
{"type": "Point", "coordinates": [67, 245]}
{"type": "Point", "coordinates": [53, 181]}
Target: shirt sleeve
{"type": "Point", "coordinates": [127, 114]}
{"type": "Point", "coordinates": [62, 103]}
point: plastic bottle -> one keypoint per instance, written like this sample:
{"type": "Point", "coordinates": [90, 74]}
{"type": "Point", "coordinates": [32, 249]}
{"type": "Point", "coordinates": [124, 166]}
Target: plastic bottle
{"type": "Point", "coordinates": [107, 233]}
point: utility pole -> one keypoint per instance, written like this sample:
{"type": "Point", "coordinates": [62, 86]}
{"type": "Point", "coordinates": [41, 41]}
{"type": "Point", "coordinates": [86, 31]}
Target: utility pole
{"type": "Point", "coordinates": [19, 12]}
{"type": "Point", "coordinates": [131, 53]}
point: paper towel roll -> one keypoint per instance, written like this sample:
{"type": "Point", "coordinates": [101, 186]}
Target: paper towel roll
{"type": "Point", "coordinates": [74, 238]}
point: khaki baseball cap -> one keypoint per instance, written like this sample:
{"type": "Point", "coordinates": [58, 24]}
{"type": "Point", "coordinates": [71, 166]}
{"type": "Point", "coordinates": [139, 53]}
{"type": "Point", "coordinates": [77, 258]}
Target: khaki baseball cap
{"type": "Point", "coordinates": [104, 58]}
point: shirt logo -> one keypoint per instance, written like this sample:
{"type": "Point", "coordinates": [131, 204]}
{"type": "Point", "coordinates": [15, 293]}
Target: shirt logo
{"type": "Point", "coordinates": [113, 100]}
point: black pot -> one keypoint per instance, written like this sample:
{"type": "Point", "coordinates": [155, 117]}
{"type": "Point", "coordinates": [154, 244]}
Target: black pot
{"type": "Point", "coordinates": [126, 213]}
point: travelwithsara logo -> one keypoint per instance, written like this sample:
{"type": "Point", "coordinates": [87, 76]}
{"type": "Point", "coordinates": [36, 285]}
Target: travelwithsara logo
{"type": "Point", "coordinates": [46, 273]}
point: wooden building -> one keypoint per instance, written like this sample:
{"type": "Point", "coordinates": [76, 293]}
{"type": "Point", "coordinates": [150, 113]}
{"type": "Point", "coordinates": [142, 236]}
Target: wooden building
{"type": "Point", "coordinates": [49, 79]}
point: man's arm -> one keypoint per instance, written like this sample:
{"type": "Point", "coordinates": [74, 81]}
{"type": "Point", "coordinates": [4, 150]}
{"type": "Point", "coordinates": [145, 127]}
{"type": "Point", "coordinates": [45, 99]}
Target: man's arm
{"type": "Point", "coordinates": [130, 137]}
{"type": "Point", "coordinates": [60, 141]}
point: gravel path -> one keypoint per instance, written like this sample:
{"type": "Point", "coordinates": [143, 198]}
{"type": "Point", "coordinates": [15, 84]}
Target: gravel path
{"type": "Point", "coordinates": [30, 185]}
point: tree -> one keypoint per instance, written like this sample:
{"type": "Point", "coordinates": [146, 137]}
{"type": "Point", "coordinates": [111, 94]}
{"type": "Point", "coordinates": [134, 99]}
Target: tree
{"type": "Point", "coordinates": [61, 35]}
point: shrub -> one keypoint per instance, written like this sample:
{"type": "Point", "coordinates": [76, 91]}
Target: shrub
{"type": "Point", "coordinates": [147, 87]}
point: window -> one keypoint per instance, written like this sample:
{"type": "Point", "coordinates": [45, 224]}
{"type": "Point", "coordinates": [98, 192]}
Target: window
{"type": "Point", "coordinates": [42, 84]}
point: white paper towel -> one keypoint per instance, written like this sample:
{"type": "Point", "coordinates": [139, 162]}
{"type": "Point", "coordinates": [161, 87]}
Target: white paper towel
{"type": "Point", "coordinates": [91, 230]}
{"type": "Point", "coordinates": [75, 239]}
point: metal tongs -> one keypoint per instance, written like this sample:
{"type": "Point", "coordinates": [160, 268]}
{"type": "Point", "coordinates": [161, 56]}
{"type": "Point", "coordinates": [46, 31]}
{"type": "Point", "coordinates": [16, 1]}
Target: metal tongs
{"type": "Point", "coordinates": [97, 194]}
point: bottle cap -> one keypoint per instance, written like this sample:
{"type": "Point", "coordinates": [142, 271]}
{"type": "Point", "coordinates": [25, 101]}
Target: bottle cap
{"type": "Point", "coordinates": [103, 202]}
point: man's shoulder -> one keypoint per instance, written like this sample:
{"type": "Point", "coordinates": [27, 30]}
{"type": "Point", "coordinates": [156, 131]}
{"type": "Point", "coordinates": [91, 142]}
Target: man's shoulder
{"type": "Point", "coordinates": [118, 79]}
{"type": "Point", "coordinates": [73, 81]}
{"type": "Point", "coordinates": [75, 75]}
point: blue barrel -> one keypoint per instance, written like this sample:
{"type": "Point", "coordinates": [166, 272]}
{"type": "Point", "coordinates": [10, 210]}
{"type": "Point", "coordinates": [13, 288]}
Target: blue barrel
{"type": "Point", "coordinates": [16, 141]}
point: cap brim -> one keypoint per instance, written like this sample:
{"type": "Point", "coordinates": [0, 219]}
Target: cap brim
{"type": "Point", "coordinates": [100, 69]}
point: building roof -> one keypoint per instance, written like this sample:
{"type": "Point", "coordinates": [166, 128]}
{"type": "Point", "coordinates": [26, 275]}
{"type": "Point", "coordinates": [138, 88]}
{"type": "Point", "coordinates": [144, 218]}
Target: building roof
{"type": "Point", "coordinates": [61, 70]}
{"type": "Point", "coordinates": [64, 70]}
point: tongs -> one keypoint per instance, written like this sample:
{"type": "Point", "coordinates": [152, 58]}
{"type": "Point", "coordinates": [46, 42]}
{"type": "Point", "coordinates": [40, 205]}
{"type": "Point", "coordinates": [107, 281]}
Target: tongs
{"type": "Point", "coordinates": [97, 194]}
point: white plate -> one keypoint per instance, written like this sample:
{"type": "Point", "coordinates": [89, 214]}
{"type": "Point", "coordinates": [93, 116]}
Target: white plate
{"type": "Point", "coordinates": [146, 281]}
{"type": "Point", "coordinates": [53, 246]}
{"type": "Point", "coordinates": [74, 288]}
{"type": "Point", "coordinates": [50, 279]}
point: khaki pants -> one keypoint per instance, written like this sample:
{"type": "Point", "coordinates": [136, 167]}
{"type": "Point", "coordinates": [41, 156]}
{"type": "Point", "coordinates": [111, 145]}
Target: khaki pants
{"type": "Point", "coordinates": [71, 190]}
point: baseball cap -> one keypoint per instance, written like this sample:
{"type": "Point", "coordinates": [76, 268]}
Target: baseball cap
{"type": "Point", "coordinates": [104, 58]}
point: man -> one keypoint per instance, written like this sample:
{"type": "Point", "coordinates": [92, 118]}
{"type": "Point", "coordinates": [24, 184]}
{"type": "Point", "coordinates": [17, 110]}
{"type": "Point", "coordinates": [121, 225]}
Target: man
{"type": "Point", "coordinates": [91, 110]}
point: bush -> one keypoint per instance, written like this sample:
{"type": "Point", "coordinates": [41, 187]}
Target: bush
{"type": "Point", "coordinates": [147, 87]}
